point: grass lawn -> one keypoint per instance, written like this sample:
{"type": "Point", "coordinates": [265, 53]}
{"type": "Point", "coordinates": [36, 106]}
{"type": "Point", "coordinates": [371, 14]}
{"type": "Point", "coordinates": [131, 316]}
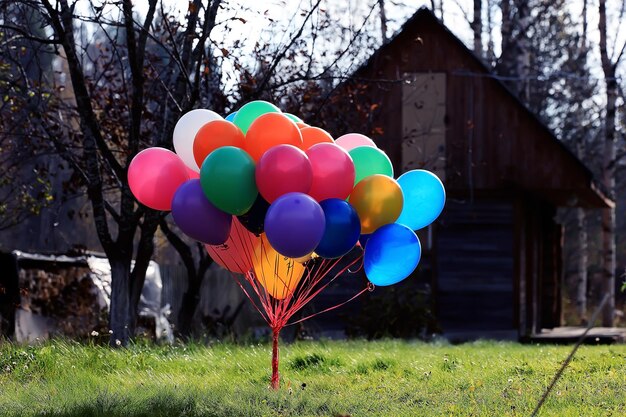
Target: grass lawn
{"type": "Point", "coordinates": [388, 378]}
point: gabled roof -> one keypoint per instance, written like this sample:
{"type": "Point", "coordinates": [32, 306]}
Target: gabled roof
{"type": "Point", "coordinates": [425, 16]}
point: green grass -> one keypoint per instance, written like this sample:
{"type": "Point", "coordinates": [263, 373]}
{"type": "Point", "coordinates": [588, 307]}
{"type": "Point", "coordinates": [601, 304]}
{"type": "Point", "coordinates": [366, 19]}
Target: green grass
{"type": "Point", "coordinates": [388, 378]}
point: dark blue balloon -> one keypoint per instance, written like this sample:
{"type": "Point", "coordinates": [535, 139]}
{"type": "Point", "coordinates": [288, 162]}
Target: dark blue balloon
{"type": "Point", "coordinates": [294, 224]}
{"type": "Point", "coordinates": [197, 217]}
{"type": "Point", "coordinates": [391, 254]}
{"type": "Point", "coordinates": [342, 230]}
{"type": "Point", "coordinates": [231, 116]}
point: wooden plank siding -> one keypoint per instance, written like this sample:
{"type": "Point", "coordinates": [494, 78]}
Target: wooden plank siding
{"type": "Point", "coordinates": [496, 258]}
{"type": "Point", "coordinates": [475, 267]}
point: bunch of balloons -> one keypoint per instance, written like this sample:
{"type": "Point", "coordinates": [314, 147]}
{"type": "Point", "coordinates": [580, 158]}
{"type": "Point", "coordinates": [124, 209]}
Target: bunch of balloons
{"type": "Point", "coordinates": [266, 192]}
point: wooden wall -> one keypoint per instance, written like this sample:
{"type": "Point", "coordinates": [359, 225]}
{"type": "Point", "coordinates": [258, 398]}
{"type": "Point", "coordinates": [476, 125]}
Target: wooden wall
{"type": "Point", "coordinates": [475, 259]}
{"type": "Point", "coordinates": [538, 266]}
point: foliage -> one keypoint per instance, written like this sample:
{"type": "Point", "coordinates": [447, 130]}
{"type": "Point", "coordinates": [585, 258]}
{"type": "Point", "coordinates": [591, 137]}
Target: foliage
{"type": "Point", "coordinates": [404, 308]}
{"type": "Point", "coordinates": [321, 379]}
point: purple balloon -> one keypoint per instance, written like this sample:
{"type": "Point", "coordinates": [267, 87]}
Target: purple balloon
{"type": "Point", "coordinates": [197, 217]}
{"type": "Point", "coordinates": [294, 224]}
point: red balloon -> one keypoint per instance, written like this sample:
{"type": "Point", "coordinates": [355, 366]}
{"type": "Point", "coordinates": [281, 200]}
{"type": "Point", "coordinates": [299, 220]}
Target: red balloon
{"type": "Point", "coordinates": [333, 172]}
{"type": "Point", "coordinates": [236, 253]}
{"type": "Point", "coordinates": [283, 169]}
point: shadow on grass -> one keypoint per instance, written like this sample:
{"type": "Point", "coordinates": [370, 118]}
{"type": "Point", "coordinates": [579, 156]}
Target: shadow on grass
{"type": "Point", "coordinates": [110, 405]}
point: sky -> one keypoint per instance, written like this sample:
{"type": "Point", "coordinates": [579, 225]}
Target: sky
{"type": "Point", "coordinates": [244, 22]}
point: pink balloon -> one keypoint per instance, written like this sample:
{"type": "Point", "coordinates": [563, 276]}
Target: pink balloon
{"type": "Point", "coordinates": [236, 253]}
{"type": "Point", "coordinates": [154, 174]}
{"type": "Point", "coordinates": [193, 175]}
{"type": "Point", "coordinates": [333, 171]}
{"type": "Point", "coordinates": [283, 169]}
{"type": "Point", "coordinates": [354, 140]}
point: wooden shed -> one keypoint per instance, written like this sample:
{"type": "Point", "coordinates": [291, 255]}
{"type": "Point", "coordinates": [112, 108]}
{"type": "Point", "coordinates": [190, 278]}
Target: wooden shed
{"type": "Point", "coordinates": [495, 253]}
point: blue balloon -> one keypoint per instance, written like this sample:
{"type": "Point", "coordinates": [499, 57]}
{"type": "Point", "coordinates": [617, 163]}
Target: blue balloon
{"type": "Point", "coordinates": [424, 198]}
{"type": "Point", "coordinates": [363, 239]}
{"type": "Point", "coordinates": [294, 224]}
{"type": "Point", "coordinates": [342, 230]}
{"type": "Point", "coordinates": [231, 117]}
{"type": "Point", "coordinates": [391, 254]}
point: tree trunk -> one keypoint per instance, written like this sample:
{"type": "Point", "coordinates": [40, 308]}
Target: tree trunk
{"type": "Point", "coordinates": [190, 302]}
{"type": "Point", "coordinates": [608, 174]}
{"type": "Point", "coordinates": [383, 21]}
{"type": "Point", "coordinates": [523, 56]}
{"type": "Point", "coordinates": [581, 150]}
{"type": "Point", "coordinates": [581, 281]}
{"type": "Point", "coordinates": [275, 383]}
{"type": "Point", "coordinates": [120, 302]}
{"type": "Point", "coordinates": [145, 249]}
{"type": "Point", "coordinates": [477, 27]}
{"type": "Point", "coordinates": [491, 55]}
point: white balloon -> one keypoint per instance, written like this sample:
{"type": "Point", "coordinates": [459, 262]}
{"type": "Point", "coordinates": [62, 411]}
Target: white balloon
{"type": "Point", "coordinates": [185, 133]}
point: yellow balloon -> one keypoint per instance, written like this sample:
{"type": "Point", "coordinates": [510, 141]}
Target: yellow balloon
{"type": "Point", "coordinates": [378, 201]}
{"type": "Point", "coordinates": [278, 274]}
{"type": "Point", "coordinates": [306, 258]}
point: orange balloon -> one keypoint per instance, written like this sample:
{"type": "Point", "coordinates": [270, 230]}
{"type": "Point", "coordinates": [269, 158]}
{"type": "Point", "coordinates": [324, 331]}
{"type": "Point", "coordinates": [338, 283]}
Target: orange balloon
{"type": "Point", "coordinates": [278, 274]}
{"type": "Point", "coordinates": [236, 253]}
{"type": "Point", "coordinates": [213, 135]}
{"type": "Point", "coordinates": [301, 125]}
{"type": "Point", "coordinates": [314, 135]}
{"type": "Point", "coordinates": [269, 130]}
{"type": "Point", "coordinates": [378, 200]}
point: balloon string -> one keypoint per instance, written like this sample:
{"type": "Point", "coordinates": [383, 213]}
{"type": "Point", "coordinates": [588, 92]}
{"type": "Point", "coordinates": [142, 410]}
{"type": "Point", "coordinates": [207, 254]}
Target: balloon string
{"type": "Point", "coordinates": [317, 279]}
{"type": "Point", "coordinates": [275, 312]}
{"type": "Point", "coordinates": [238, 281]}
{"type": "Point", "coordinates": [307, 297]}
{"type": "Point", "coordinates": [367, 288]}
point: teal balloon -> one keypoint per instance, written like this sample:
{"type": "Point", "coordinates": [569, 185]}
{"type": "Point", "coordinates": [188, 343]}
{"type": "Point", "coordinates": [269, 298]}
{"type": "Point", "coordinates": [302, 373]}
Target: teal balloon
{"type": "Point", "coordinates": [293, 118]}
{"type": "Point", "coordinates": [370, 161]}
{"type": "Point", "coordinates": [250, 111]}
{"type": "Point", "coordinates": [391, 254]}
{"type": "Point", "coordinates": [227, 179]}
{"type": "Point", "coordinates": [424, 198]}
{"type": "Point", "coordinates": [231, 116]}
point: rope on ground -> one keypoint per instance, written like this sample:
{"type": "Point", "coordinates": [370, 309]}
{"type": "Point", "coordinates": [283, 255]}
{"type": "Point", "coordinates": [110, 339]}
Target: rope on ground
{"type": "Point", "coordinates": [580, 341]}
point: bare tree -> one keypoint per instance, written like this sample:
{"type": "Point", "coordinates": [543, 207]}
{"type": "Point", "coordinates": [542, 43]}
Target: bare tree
{"type": "Point", "coordinates": [117, 105]}
{"type": "Point", "coordinates": [610, 64]}
{"type": "Point", "coordinates": [477, 28]}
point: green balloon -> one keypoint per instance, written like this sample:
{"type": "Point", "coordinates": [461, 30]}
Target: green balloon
{"type": "Point", "coordinates": [250, 111]}
{"type": "Point", "coordinates": [227, 179]}
{"type": "Point", "coordinates": [369, 161]}
{"type": "Point", "coordinates": [293, 118]}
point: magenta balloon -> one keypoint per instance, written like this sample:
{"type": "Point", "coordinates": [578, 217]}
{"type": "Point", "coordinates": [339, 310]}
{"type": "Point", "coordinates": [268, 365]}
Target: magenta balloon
{"type": "Point", "coordinates": [193, 175]}
{"type": "Point", "coordinates": [283, 169]}
{"type": "Point", "coordinates": [154, 174]}
{"type": "Point", "coordinates": [333, 172]}
{"type": "Point", "coordinates": [354, 140]}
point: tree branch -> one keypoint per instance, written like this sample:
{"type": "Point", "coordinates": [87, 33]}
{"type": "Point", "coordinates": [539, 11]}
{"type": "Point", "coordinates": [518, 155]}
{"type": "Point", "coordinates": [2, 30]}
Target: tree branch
{"type": "Point", "coordinates": [63, 26]}
{"type": "Point", "coordinates": [26, 35]}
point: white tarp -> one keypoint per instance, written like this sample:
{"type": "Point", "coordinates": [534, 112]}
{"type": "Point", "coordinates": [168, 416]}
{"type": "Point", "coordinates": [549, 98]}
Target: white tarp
{"type": "Point", "coordinates": [30, 327]}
